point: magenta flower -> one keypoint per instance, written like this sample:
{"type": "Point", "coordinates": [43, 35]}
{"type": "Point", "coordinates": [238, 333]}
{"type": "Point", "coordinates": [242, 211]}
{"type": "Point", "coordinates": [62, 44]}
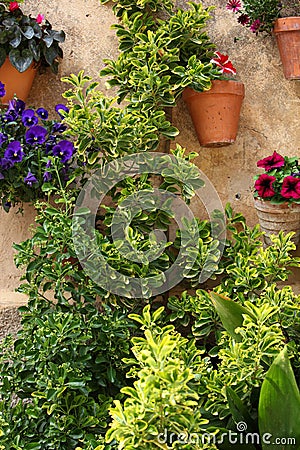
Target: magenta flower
{"type": "Point", "coordinates": [254, 27]}
{"type": "Point", "coordinates": [263, 185]}
{"type": "Point", "coordinates": [39, 18]}
{"type": "Point", "coordinates": [290, 187]}
{"type": "Point", "coordinates": [271, 162]}
{"type": "Point", "coordinates": [234, 5]}
{"type": "Point", "coordinates": [222, 61]}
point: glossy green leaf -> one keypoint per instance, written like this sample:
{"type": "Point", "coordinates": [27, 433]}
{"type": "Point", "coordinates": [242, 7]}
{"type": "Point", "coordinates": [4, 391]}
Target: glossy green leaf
{"type": "Point", "coordinates": [230, 312]}
{"type": "Point", "coordinates": [279, 404]}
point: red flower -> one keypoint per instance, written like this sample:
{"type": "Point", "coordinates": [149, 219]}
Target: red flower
{"type": "Point", "coordinates": [290, 187]}
{"type": "Point", "coordinates": [271, 162]}
{"type": "Point", "coordinates": [223, 63]}
{"type": "Point", "coordinates": [13, 6]}
{"type": "Point", "coordinates": [263, 185]}
{"type": "Point", "coordinates": [234, 5]}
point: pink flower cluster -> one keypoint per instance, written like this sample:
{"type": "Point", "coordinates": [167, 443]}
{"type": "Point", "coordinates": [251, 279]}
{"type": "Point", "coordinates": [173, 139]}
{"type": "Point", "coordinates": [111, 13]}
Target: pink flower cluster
{"type": "Point", "coordinates": [235, 6]}
{"type": "Point", "coordinates": [281, 179]}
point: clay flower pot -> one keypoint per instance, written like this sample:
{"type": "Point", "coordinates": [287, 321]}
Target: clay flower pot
{"type": "Point", "coordinates": [16, 82]}
{"type": "Point", "coordinates": [215, 113]}
{"type": "Point", "coordinates": [287, 32]}
{"type": "Point", "coordinates": [274, 218]}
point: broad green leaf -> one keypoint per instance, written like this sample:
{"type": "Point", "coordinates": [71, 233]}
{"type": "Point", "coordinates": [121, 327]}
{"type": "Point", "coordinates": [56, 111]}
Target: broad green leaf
{"type": "Point", "coordinates": [279, 404]}
{"type": "Point", "coordinates": [230, 312]}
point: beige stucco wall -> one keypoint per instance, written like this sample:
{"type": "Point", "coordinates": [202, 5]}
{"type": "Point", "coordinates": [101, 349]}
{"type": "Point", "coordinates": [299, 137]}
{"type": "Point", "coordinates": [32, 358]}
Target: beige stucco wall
{"type": "Point", "coordinates": [269, 118]}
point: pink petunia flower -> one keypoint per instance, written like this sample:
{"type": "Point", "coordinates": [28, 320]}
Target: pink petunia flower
{"type": "Point", "coordinates": [13, 6]}
{"type": "Point", "coordinates": [264, 185]}
{"type": "Point", "coordinates": [223, 63]}
{"type": "Point", "coordinates": [271, 162]}
{"type": "Point", "coordinates": [234, 5]}
{"type": "Point", "coordinates": [39, 18]}
{"type": "Point", "coordinates": [290, 187]}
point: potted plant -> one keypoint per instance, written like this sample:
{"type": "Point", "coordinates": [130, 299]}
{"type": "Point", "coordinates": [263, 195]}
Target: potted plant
{"type": "Point", "coordinates": [267, 16]}
{"type": "Point", "coordinates": [159, 58]}
{"type": "Point", "coordinates": [35, 156]}
{"type": "Point", "coordinates": [215, 111]}
{"type": "Point", "coordinates": [277, 195]}
{"type": "Point", "coordinates": [25, 44]}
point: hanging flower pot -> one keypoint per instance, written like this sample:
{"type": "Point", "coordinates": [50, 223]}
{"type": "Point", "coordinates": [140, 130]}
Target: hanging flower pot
{"type": "Point", "coordinates": [274, 218]}
{"type": "Point", "coordinates": [287, 32]}
{"type": "Point", "coordinates": [15, 82]}
{"type": "Point", "coordinates": [215, 113]}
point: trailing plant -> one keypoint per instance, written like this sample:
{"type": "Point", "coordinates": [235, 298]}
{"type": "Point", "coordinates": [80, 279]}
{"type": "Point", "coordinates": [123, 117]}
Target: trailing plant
{"type": "Point", "coordinates": [159, 57]}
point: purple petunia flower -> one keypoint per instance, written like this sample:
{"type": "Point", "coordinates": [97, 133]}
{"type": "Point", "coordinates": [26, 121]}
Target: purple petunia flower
{"type": "Point", "coordinates": [48, 164]}
{"type": "Point", "coordinates": [61, 107]}
{"type": "Point", "coordinates": [29, 118]}
{"type": "Point", "coordinates": [30, 179]}
{"type": "Point", "coordinates": [14, 152]}
{"type": "Point", "coordinates": [36, 135]}
{"type": "Point", "coordinates": [2, 90]}
{"type": "Point", "coordinates": [6, 164]}
{"type": "Point", "coordinates": [1, 176]}
{"type": "Point", "coordinates": [3, 138]}
{"type": "Point", "coordinates": [42, 113]}
{"type": "Point", "coordinates": [47, 176]}
{"type": "Point", "coordinates": [64, 149]}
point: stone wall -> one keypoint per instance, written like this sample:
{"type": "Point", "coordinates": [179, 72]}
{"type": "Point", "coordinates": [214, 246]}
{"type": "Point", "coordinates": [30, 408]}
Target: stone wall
{"type": "Point", "coordinates": [269, 117]}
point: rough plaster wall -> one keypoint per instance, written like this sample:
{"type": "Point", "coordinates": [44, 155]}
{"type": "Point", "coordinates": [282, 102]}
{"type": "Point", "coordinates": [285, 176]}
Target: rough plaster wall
{"type": "Point", "coordinates": [269, 117]}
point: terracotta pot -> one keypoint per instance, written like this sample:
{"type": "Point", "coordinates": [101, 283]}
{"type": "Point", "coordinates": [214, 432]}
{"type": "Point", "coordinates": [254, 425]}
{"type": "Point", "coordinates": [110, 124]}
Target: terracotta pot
{"type": "Point", "coordinates": [274, 218]}
{"type": "Point", "coordinates": [215, 113]}
{"type": "Point", "coordinates": [16, 82]}
{"type": "Point", "coordinates": [287, 32]}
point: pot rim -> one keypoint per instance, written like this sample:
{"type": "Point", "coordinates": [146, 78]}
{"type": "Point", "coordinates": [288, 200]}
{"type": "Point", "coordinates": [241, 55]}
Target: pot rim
{"type": "Point", "coordinates": [218, 87]}
{"type": "Point", "coordinates": [283, 24]}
